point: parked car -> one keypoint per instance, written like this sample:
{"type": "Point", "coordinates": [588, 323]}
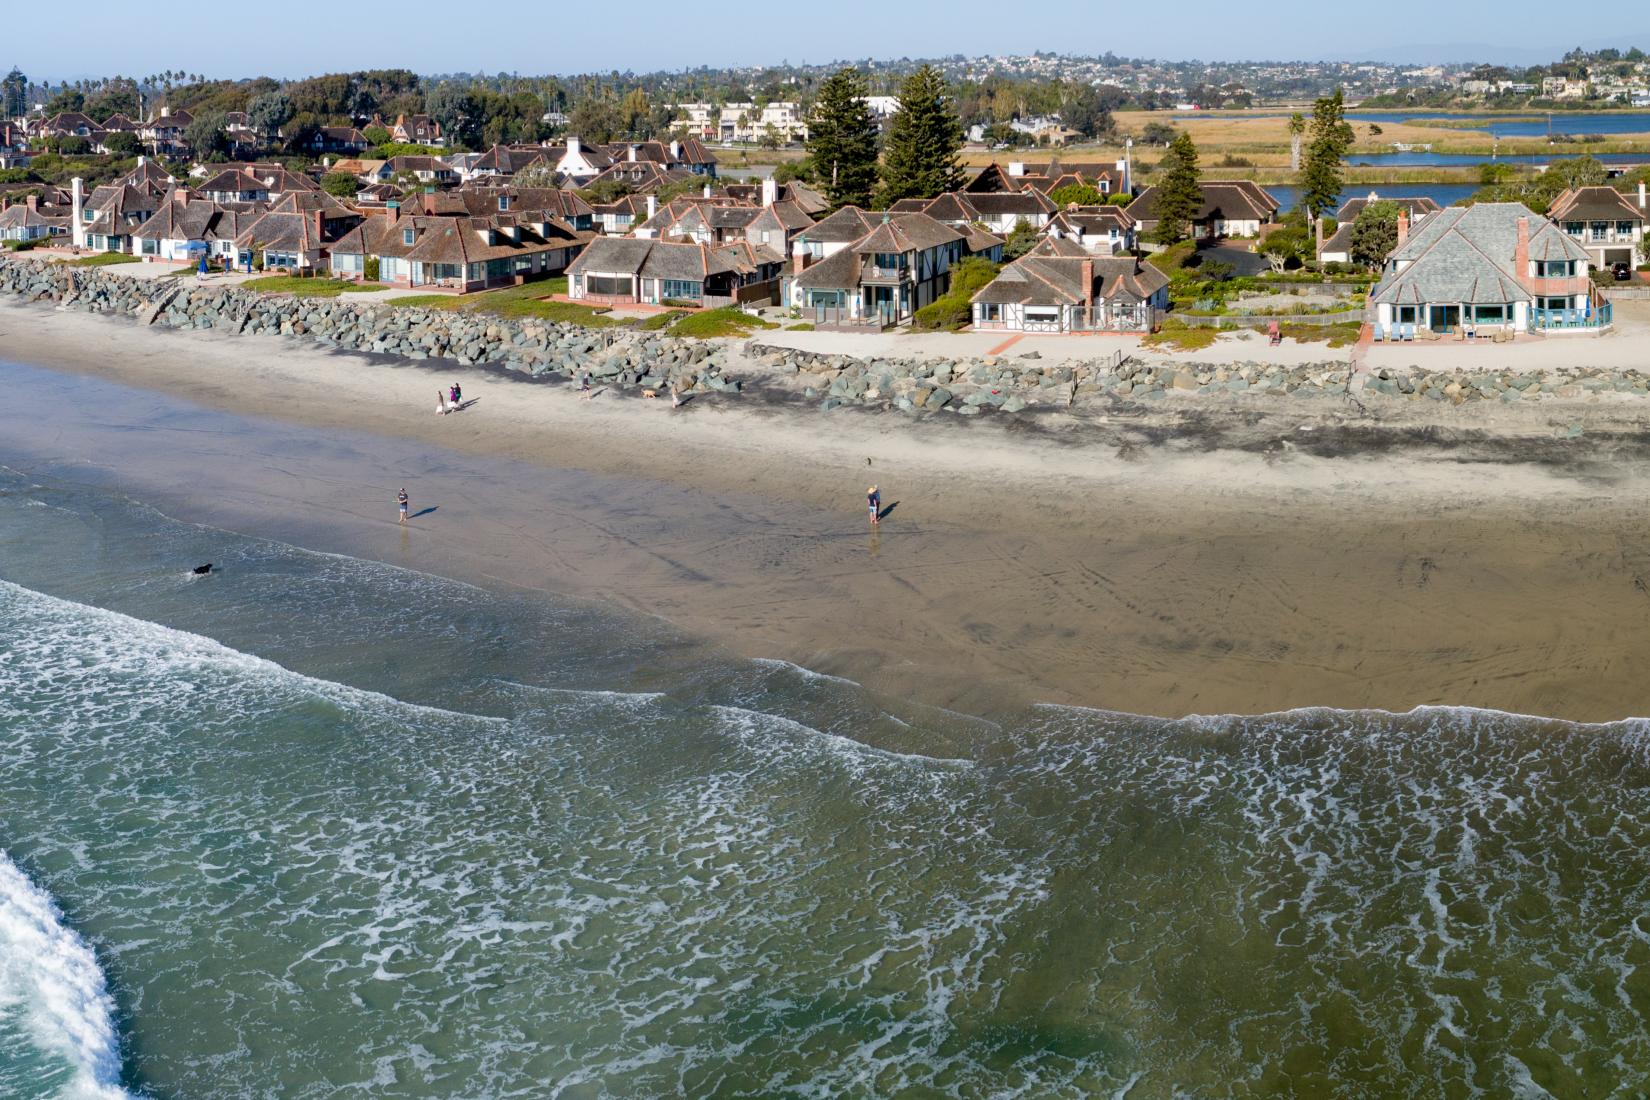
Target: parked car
{"type": "Point", "coordinates": [1622, 272]}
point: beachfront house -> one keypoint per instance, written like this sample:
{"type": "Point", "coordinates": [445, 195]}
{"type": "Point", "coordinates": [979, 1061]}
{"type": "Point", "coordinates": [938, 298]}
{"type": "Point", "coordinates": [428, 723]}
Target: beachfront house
{"type": "Point", "coordinates": [30, 221]}
{"type": "Point", "coordinates": [627, 270]}
{"type": "Point", "coordinates": [1230, 208]}
{"type": "Point", "coordinates": [1484, 270]}
{"type": "Point", "coordinates": [1060, 287]}
{"type": "Point", "coordinates": [113, 213]}
{"type": "Point", "coordinates": [899, 263]}
{"type": "Point", "coordinates": [188, 227]}
{"type": "Point", "coordinates": [1605, 222]}
{"type": "Point", "coordinates": [459, 252]}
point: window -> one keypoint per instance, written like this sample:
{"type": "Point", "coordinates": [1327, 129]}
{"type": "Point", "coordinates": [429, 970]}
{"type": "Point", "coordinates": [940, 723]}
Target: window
{"type": "Point", "coordinates": [682, 288]}
{"type": "Point", "coordinates": [609, 284]}
{"type": "Point", "coordinates": [504, 202]}
{"type": "Point", "coordinates": [1555, 269]}
{"type": "Point", "coordinates": [1406, 315]}
{"type": "Point", "coordinates": [1601, 230]}
{"type": "Point", "coordinates": [1491, 315]}
{"type": "Point", "coordinates": [1624, 229]}
{"type": "Point", "coordinates": [991, 311]}
{"type": "Point", "coordinates": [1552, 303]}
{"type": "Point", "coordinates": [406, 236]}
{"type": "Point", "coordinates": [1042, 315]}
{"type": "Point", "coordinates": [1574, 229]}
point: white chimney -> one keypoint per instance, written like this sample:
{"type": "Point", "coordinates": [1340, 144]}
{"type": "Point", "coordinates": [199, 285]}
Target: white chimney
{"type": "Point", "coordinates": [1642, 204]}
{"type": "Point", "coordinates": [1016, 168]}
{"type": "Point", "coordinates": [675, 149]}
{"type": "Point", "coordinates": [630, 155]}
{"type": "Point", "coordinates": [77, 198]}
{"type": "Point", "coordinates": [707, 190]}
{"type": "Point", "coordinates": [573, 147]}
{"type": "Point", "coordinates": [142, 160]}
{"type": "Point", "coordinates": [652, 206]}
{"type": "Point", "coordinates": [770, 192]}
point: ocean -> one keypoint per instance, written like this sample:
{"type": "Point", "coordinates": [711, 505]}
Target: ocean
{"type": "Point", "coordinates": [315, 827]}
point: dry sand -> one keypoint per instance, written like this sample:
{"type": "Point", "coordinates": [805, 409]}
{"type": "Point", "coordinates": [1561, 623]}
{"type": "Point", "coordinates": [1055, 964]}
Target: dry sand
{"type": "Point", "coordinates": [1213, 557]}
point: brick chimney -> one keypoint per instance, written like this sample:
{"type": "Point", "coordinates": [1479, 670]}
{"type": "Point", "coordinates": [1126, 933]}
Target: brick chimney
{"type": "Point", "coordinates": [33, 203]}
{"type": "Point", "coordinates": [799, 261]}
{"type": "Point", "coordinates": [1403, 227]}
{"type": "Point", "coordinates": [320, 226]}
{"type": "Point", "coordinates": [392, 212]}
{"type": "Point", "coordinates": [1521, 257]}
{"type": "Point", "coordinates": [183, 196]}
{"type": "Point", "coordinates": [1088, 282]}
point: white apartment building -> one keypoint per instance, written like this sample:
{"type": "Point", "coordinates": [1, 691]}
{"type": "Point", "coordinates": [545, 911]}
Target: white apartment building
{"type": "Point", "coordinates": [744, 122]}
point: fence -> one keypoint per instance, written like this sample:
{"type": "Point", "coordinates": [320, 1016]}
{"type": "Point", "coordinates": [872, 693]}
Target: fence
{"type": "Point", "coordinates": [1255, 320]}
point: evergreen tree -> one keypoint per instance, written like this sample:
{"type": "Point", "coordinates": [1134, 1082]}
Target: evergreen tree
{"type": "Point", "coordinates": [923, 139]}
{"type": "Point", "coordinates": [1324, 171]}
{"type": "Point", "coordinates": [1179, 197]}
{"type": "Point", "coordinates": [842, 141]}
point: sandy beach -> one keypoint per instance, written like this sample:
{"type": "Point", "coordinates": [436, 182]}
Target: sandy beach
{"type": "Point", "coordinates": [1213, 557]}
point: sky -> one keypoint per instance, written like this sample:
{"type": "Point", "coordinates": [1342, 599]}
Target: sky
{"type": "Point", "coordinates": [295, 38]}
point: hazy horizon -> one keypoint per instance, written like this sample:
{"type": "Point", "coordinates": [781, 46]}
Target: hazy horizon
{"type": "Point", "coordinates": [284, 42]}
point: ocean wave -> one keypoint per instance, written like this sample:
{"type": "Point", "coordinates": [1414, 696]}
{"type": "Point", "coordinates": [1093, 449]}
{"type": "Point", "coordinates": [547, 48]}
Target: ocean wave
{"type": "Point", "coordinates": [749, 722]}
{"type": "Point", "coordinates": [50, 979]}
{"type": "Point", "coordinates": [60, 630]}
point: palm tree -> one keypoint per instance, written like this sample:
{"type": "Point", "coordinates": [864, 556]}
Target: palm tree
{"type": "Point", "coordinates": [1297, 128]}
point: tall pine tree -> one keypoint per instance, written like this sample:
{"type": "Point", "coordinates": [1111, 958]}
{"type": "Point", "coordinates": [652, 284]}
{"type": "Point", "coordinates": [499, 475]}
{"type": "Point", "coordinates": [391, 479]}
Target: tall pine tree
{"type": "Point", "coordinates": [923, 139]}
{"type": "Point", "coordinates": [842, 141]}
{"type": "Point", "coordinates": [1324, 170]}
{"type": "Point", "coordinates": [1179, 197]}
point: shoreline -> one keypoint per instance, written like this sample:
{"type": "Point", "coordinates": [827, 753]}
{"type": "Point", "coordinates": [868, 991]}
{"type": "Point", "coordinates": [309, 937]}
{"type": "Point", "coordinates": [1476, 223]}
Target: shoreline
{"type": "Point", "coordinates": [1199, 560]}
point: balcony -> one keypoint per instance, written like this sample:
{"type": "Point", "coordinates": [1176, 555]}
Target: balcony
{"type": "Point", "coordinates": [1561, 320]}
{"type": "Point", "coordinates": [872, 273]}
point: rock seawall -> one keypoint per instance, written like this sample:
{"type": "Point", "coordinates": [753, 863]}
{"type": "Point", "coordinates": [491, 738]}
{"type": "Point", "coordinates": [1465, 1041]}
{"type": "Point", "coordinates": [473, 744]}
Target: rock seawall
{"type": "Point", "coordinates": [612, 357]}
{"type": "Point", "coordinates": [625, 358]}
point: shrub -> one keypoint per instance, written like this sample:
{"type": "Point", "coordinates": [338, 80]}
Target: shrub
{"type": "Point", "coordinates": [953, 309]}
{"type": "Point", "coordinates": [340, 185]}
{"type": "Point", "coordinates": [369, 269]}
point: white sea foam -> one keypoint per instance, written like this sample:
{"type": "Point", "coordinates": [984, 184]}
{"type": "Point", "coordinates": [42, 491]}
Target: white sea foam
{"type": "Point", "coordinates": [50, 979]}
{"type": "Point", "coordinates": [805, 673]}
{"type": "Point", "coordinates": [111, 641]}
{"type": "Point", "coordinates": [754, 721]}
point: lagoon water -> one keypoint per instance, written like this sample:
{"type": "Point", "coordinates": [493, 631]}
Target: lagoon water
{"type": "Point", "coordinates": [317, 827]}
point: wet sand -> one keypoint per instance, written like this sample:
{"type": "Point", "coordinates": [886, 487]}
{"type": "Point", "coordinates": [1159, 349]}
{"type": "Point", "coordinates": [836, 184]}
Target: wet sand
{"type": "Point", "coordinates": [1210, 558]}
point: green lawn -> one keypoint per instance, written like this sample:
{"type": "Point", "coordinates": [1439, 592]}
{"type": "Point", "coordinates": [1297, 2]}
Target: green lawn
{"type": "Point", "coordinates": [718, 322]}
{"type": "Point", "coordinates": [660, 321]}
{"type": "Point", "coordinates": [309, 288]}
{"type": "Point", "coordinates": [104, 259]}
{"type": "Point", "coordinates": [517, 303]}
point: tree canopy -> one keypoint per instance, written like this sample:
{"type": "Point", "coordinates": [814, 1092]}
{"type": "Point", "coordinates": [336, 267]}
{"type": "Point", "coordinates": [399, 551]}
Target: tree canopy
{"type": "Point", "coordinates": [1179, 197]}
{"type": "Point", "coordinates": [1375, 233]}
{"type": "Point", "coordinates": [1324, 169]}
{"type": "Point", "coordinates": [924, 136]}
{"type": "Point", "coordinates": [842, 141]}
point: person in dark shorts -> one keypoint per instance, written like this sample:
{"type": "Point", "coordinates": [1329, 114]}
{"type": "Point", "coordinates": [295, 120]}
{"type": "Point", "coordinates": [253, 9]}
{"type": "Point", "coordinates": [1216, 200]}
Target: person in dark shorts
{"type": "Point", "coordinates": [873, 499]}
{"type": "Point", "coordinates": [401, 502]}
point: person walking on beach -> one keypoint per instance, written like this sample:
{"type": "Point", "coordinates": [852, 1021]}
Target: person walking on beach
{"type": "Point", "coordinates": [401, 501]}
{"type": "Point", "coordinates": [873, 499]}
{"type": "Point", "coordinates": [440, 402]}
